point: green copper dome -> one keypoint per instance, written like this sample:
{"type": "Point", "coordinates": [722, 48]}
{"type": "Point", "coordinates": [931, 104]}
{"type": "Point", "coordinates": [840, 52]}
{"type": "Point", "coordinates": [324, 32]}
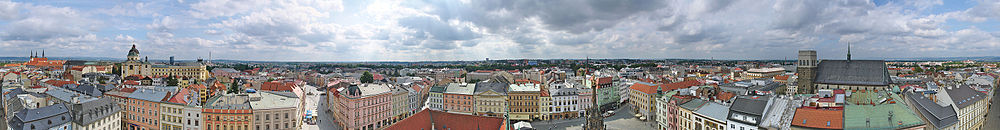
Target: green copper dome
{"type": "Point", "coordinates": [133, 52]}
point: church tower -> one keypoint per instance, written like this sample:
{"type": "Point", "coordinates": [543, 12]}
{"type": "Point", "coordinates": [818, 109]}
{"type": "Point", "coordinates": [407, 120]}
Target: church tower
{"type": "Point", "coordinates": [133, 55]}
{"type": "Point", "coordinates": [807, 71]}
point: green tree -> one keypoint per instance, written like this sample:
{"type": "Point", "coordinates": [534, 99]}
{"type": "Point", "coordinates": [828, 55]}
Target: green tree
{"type": "Point", "coordinates": [367, 77]}
{"type": "Point", "coordinates": [117, 69]}
{"type": "Point", "coordinates": [918, 69]}
{"type": "Point", "coordinates": [233, 88]}
{"type": "Point", "coordinates": [171, 81]}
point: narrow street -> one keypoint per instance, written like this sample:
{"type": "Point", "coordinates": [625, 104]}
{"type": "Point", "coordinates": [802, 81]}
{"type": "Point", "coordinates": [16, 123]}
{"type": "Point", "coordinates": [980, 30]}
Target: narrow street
{"type": "Point", "coordinates": [993, 115]}
{"type": "Point", "coordinates": [317, 104]}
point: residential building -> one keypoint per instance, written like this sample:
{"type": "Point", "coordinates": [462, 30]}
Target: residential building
{"type": "Point", "coordinates": [192, 117]}
{"type": "Point", "coordinates": [87, 106]}
{"type": "Point", "coordinates": [642, 97]}
{"type": "Point", "coordinates": [228, 112]}
{"type": "Point", "coordinates": [274, 110]}
{"type": "Point", "coordinates": [100, 114]}
{"type": "Point", "coordinates": [585, 100]}
{"type": "Point", "coordinates": [400, 103]}
{"type": "Point", "coordinates": [436, 97]}
{"type": "Point", "coordinates": [143, 109]}
{"type": "Point", "coordinates": [491, 99]}
{"type": "Point", "coordinates": [748, 112]}
{"type": "Point", "coordinates": [363, 106]}
{"type": "Point", "coordinates": [190, 109]}
{"type": "Point", "coordinates": [940, 117]}
{"type": "Point", "coordinates": [969, 104]}
{"type": "Point", "coordinates": [607, 94]}
{"type": "Point", "coordinates": [544, 104]}
{"type": "Point", "coordinates": [417, 94]}
{"type": "Point", "coordinates": [52, 117]}
{"type": "Point", "coordinates": [172, 111]}
{"type": "Point", "coordinates": [668, 110]}
{"type": "Point", "coordinates": [458, 98]}
{"type": "Point", "coordinates": [565, 103]}
{"type": "Point", "coordinates": [524, 101]}
{"type": "Point", "coordinates": [703, 115]}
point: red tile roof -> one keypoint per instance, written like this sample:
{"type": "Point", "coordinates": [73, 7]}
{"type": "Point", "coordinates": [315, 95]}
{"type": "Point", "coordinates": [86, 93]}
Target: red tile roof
{"type": "Point", "coordinates": [59, 83]}
{"type": "Point", "coordinates": [725, 96]}
{"type": "Point", "coordinates": [643, 87]}
{"type": "Point", "coordinates": [818, 118]}
{"type": "Point", "coordinates": [131, 82]}
{"type": "Point", "coordinates": [198, 87]}
{"type": "Point", "coordinates": [180, 97]}
{"type": "Point", "coordinates": [446, 121]}
{"type": "Point", "coordinates": [679, 85]}
{"type": "Point", "coordinates": [604, 80]}
{"type": "Point", "coordinates": [781, 77]}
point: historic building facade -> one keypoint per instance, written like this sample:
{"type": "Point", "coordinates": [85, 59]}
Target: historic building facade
{"type": "Point", "coordinates": [135, 66]}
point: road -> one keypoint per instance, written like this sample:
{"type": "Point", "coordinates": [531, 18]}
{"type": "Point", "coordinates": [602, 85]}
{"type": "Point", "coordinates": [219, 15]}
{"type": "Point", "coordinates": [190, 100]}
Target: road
{"type": "Point", "coordinates": [317, 103]}
{"type": "Point", "coordinates": [993, 116]}
{"type": "Point", "coordinates": [623, 120]}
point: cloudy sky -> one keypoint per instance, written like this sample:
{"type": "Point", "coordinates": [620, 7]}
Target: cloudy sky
{"type": "Point", "coordinates": [412, 30]}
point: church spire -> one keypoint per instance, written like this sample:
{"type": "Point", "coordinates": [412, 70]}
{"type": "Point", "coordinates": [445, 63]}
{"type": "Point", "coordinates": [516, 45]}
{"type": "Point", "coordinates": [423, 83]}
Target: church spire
{"type": "Point", "coordinates": [848, 51]}
{"type": "Point", "coordinates": [43, 53]}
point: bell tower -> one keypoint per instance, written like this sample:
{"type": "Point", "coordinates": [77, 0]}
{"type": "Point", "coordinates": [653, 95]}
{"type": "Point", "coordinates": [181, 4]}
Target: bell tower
{"type": "Point", "coordinates": [807, 71]}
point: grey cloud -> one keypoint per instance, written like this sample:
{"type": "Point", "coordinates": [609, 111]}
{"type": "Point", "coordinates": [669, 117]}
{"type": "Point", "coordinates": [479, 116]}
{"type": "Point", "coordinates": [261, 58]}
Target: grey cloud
{"type": "Point", "coordinates": [438, 29]}
{"type": "Point", "coordinates": [565, 15]}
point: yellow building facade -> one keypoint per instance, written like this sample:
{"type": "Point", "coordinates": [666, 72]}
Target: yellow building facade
{"type": "Point", "coordinates": [135, 66]}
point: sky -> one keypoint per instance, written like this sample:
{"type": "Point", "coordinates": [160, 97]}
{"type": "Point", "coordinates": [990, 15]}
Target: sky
{"type": "Point", "coordinates": [438, 30]}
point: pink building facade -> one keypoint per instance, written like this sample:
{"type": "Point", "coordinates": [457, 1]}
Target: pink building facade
{"type": "Point", "coordinates": [363, 107]}
{"type": "Point", "coordinates": [458, 103]}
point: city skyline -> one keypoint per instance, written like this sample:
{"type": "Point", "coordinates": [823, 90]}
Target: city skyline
{"type": "Point", "coordinates": [331, 30]}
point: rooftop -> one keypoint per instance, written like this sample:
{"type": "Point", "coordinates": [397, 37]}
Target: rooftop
{"type": "Point", "coordinates": [229, 101]}
{"type": "Point", "coordinates": [365, 90]}
{"type": "Point", "coordinates": [818, 118]}
{"type": "Point", "coordinates": [525, 87]}
{"type": "Point", "coordinates": [714, 110]}
{"type": "Point", "coordinates": [430, 120]}
{"type": "Point", "coordinates": [963, 95]}
{"type": "Point", "coordinates": [461, 88]}
{"type": "Point", "coordinates": [272, 100]}
{"type": "Point", "coordinates": [152, 95]}
{"type": "Point", "coordinates": [853, 72]}
{"type": "Point", "coordinates": [937, 115]}
{"type": "Point", "coordinates": [55, 115]}
{"type": "Point", "coordinates": [766, 70]}
{"type": "Point", "coordinates": [498, 87]}
{"type": "Point", "coordinates": [750, 104]}
{"type": "Point", "coordinates": [884, 116]}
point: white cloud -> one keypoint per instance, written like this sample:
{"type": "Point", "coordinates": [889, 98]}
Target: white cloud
{"type": "Point", "coordinates": [324, 30]}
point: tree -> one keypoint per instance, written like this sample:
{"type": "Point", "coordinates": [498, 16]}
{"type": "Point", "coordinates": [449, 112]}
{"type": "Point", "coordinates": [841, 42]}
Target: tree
{"type": "Point", "coordinates": [117, 69]}
{"type": "Point", "coordinates": [367, 77]}
{"type": "Point", "coordinates": [233, 88]}
{"type": "Point", "coordinates": [918, 69]}
{"type": "Point", "coordinates": [171, 81]}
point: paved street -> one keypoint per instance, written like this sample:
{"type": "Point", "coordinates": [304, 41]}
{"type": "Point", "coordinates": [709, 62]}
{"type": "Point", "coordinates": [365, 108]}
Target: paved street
{"type": "Point", "coordinates": [993, 116]}
{"type": "Point", "coordinates": [317, 103]}
{"type": "Point", "coordinates": [623, 120]}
